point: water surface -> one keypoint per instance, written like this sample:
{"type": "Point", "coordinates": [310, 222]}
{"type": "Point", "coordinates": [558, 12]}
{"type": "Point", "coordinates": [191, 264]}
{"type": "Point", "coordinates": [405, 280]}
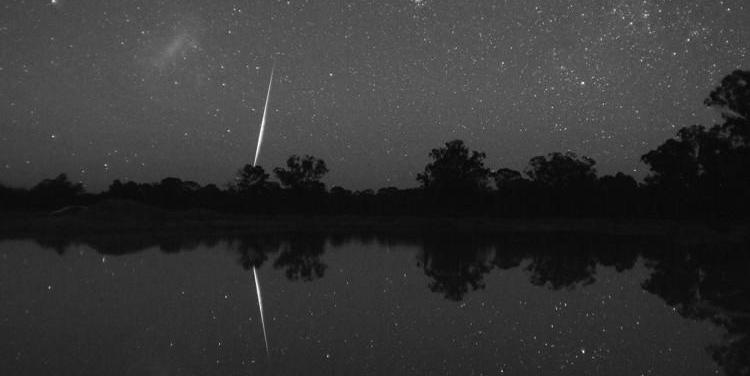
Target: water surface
{"type": "Point", "coordinates": [564, 305]}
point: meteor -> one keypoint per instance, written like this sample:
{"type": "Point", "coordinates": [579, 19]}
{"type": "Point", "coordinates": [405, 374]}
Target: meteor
{"type": "Point", "coordinates": [263, 122]}
{"type": "Point", "coordinates": [260, 306]}
{"type": "Point", "coordinates": [255, 163]}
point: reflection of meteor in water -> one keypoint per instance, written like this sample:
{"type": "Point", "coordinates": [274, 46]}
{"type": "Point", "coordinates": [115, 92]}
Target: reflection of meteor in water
{"type": "Point", "coordinates": [260, 306]}
{"type": "Point", "coordinates": [255, 162]}
{"type": "Point", "coordinates": [263, 121]}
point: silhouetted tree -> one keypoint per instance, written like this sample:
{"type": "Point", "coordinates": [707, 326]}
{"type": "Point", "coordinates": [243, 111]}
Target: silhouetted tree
{"type": "Point", "coordinates": [618, 183]}
{"type": "Point", "coordinates": [732, 97]}
{"type": "Point", "coordinates": [56, 192]}
{"type": "Point", "coordinates": [562, 171]}
{"type": "Point", "coordinates": [130, 190]}
{"type": "Point", "coordinates": [251, 179]}
{"type": "Point", "coordinates": [455, 169]}
{"type": "Point", "coordinates": [456, 178]}
{"type": "Point", "coordinates": [302, 174]}
{"type": "Point", "coordinates": [618, 194]}
{"type": "Point", "coordinates": [705, 170]}
{"type": "Point", "coordinates": [174, 193]}
{"type": "Point", "coordinates": [506, 178]}
{"type": "Point", "coordinates": [514, 195]}
{"type": "Point", "coordinates": [564, 183]}
{"type": "Point", "coordinates": [732, 156]}
{"type": "Point", "coordinates": [674, 164]}
{"type": "Point", "coordinates": [210, 196]}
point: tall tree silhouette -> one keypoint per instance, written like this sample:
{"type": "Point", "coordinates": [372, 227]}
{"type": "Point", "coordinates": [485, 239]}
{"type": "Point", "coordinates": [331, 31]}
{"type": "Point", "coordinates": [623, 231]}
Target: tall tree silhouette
{"type": "Point", "coordinates": [707, 167]}
{"type": "Point", "coordinates": [618, 195]}
{"type": "Point", "coordinates": [454, 177]}
{"type": "Point", "coordinates": [454, 168]}
{"type": "Point", "coordinates": [732, 97]}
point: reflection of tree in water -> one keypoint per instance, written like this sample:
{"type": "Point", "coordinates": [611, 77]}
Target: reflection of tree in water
{"type": "Point", "coordinates": [710, 285]}
{"type": "Point", "coordinates": [571, 260]}
{"type": "Point", "coordinates": [301, 257]}
{"type": "Point", "coordinates": [128, 242]}
{"type": "Point", "coordinates": [299, 254]}
{"type": "Point", "coordinates": [558, 269]}
{"type": "Point", "coordinates": [455, 265]}
{"type": "Point", "coordinates": [458, 265]}
{"type": "Point", "coordinates": [701, 283]}
{"type": "Point", "coordinates": [254, 249]}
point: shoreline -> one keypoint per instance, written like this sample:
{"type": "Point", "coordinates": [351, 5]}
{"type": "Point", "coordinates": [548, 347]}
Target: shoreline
{"type": "Point", "coordinates": [21, 224]}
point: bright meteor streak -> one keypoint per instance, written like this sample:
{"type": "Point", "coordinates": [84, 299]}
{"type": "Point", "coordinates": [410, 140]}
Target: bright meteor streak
{"type": "Point", "coordinates": [260, 305]}
{"type": "Point", "coordinates": [263, 122]}
{"type": "Point", "coordinates": [255, 162]}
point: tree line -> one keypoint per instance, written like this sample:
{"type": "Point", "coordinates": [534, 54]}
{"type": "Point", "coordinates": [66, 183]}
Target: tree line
{"type": "Point", "coordinates": [703, 171]}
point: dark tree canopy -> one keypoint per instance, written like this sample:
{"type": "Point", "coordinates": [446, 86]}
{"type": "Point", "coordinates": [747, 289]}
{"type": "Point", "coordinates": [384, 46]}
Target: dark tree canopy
{"type": "Point", "coordinates": [302, 173]}
{"type": "Point", "coordinates": [619, 183]}
{"type": "Point", "coordinates": [455, 169]}
{"type": "Point", "coordinates": [129, 190]}
{"type": "Point", "coordinates": [674, 163]}
{"type": "Point", "coordinates": [178, 186]}
{"type": "Point", "coordinates": [55, 192]}
{"type": "Point", "coordinates": [562, 170]}
{"type": "Point", "coordinates": [251, 178]}
{"type": "Point", "coordinates": [506, 177]}
{"type": "Point", "coordinates": [732, 98]}
{"type": "Point", "coordinates": [60, 185]}
{"type": "Point", "coordinates": [710, 161]}
{"type": "Point", "coordinates": [733, 95]}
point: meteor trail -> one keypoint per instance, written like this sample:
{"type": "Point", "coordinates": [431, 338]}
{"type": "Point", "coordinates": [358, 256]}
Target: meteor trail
{"type": "Point", "coordinates": [263, 122]}
{"type": "Point", "coordinates": [260, 305]}
{"type": "Point", "coordinates": [255, 162]}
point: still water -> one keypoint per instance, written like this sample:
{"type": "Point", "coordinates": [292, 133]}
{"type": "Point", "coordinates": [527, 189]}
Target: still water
{"type": "Point", "coordinates": [372, 305]}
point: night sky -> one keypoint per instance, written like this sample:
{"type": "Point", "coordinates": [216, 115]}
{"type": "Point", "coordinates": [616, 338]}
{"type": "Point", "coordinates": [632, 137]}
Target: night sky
{"type": "Point", "coordinates": [142, 90]}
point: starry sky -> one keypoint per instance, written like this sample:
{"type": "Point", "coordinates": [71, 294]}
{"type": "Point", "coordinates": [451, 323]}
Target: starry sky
{"type": "Point", "coordinates": [141, 90]}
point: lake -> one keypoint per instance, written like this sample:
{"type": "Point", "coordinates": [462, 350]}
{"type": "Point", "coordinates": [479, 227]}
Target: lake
{"type": "Point", "coordinates": [515, 304]}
